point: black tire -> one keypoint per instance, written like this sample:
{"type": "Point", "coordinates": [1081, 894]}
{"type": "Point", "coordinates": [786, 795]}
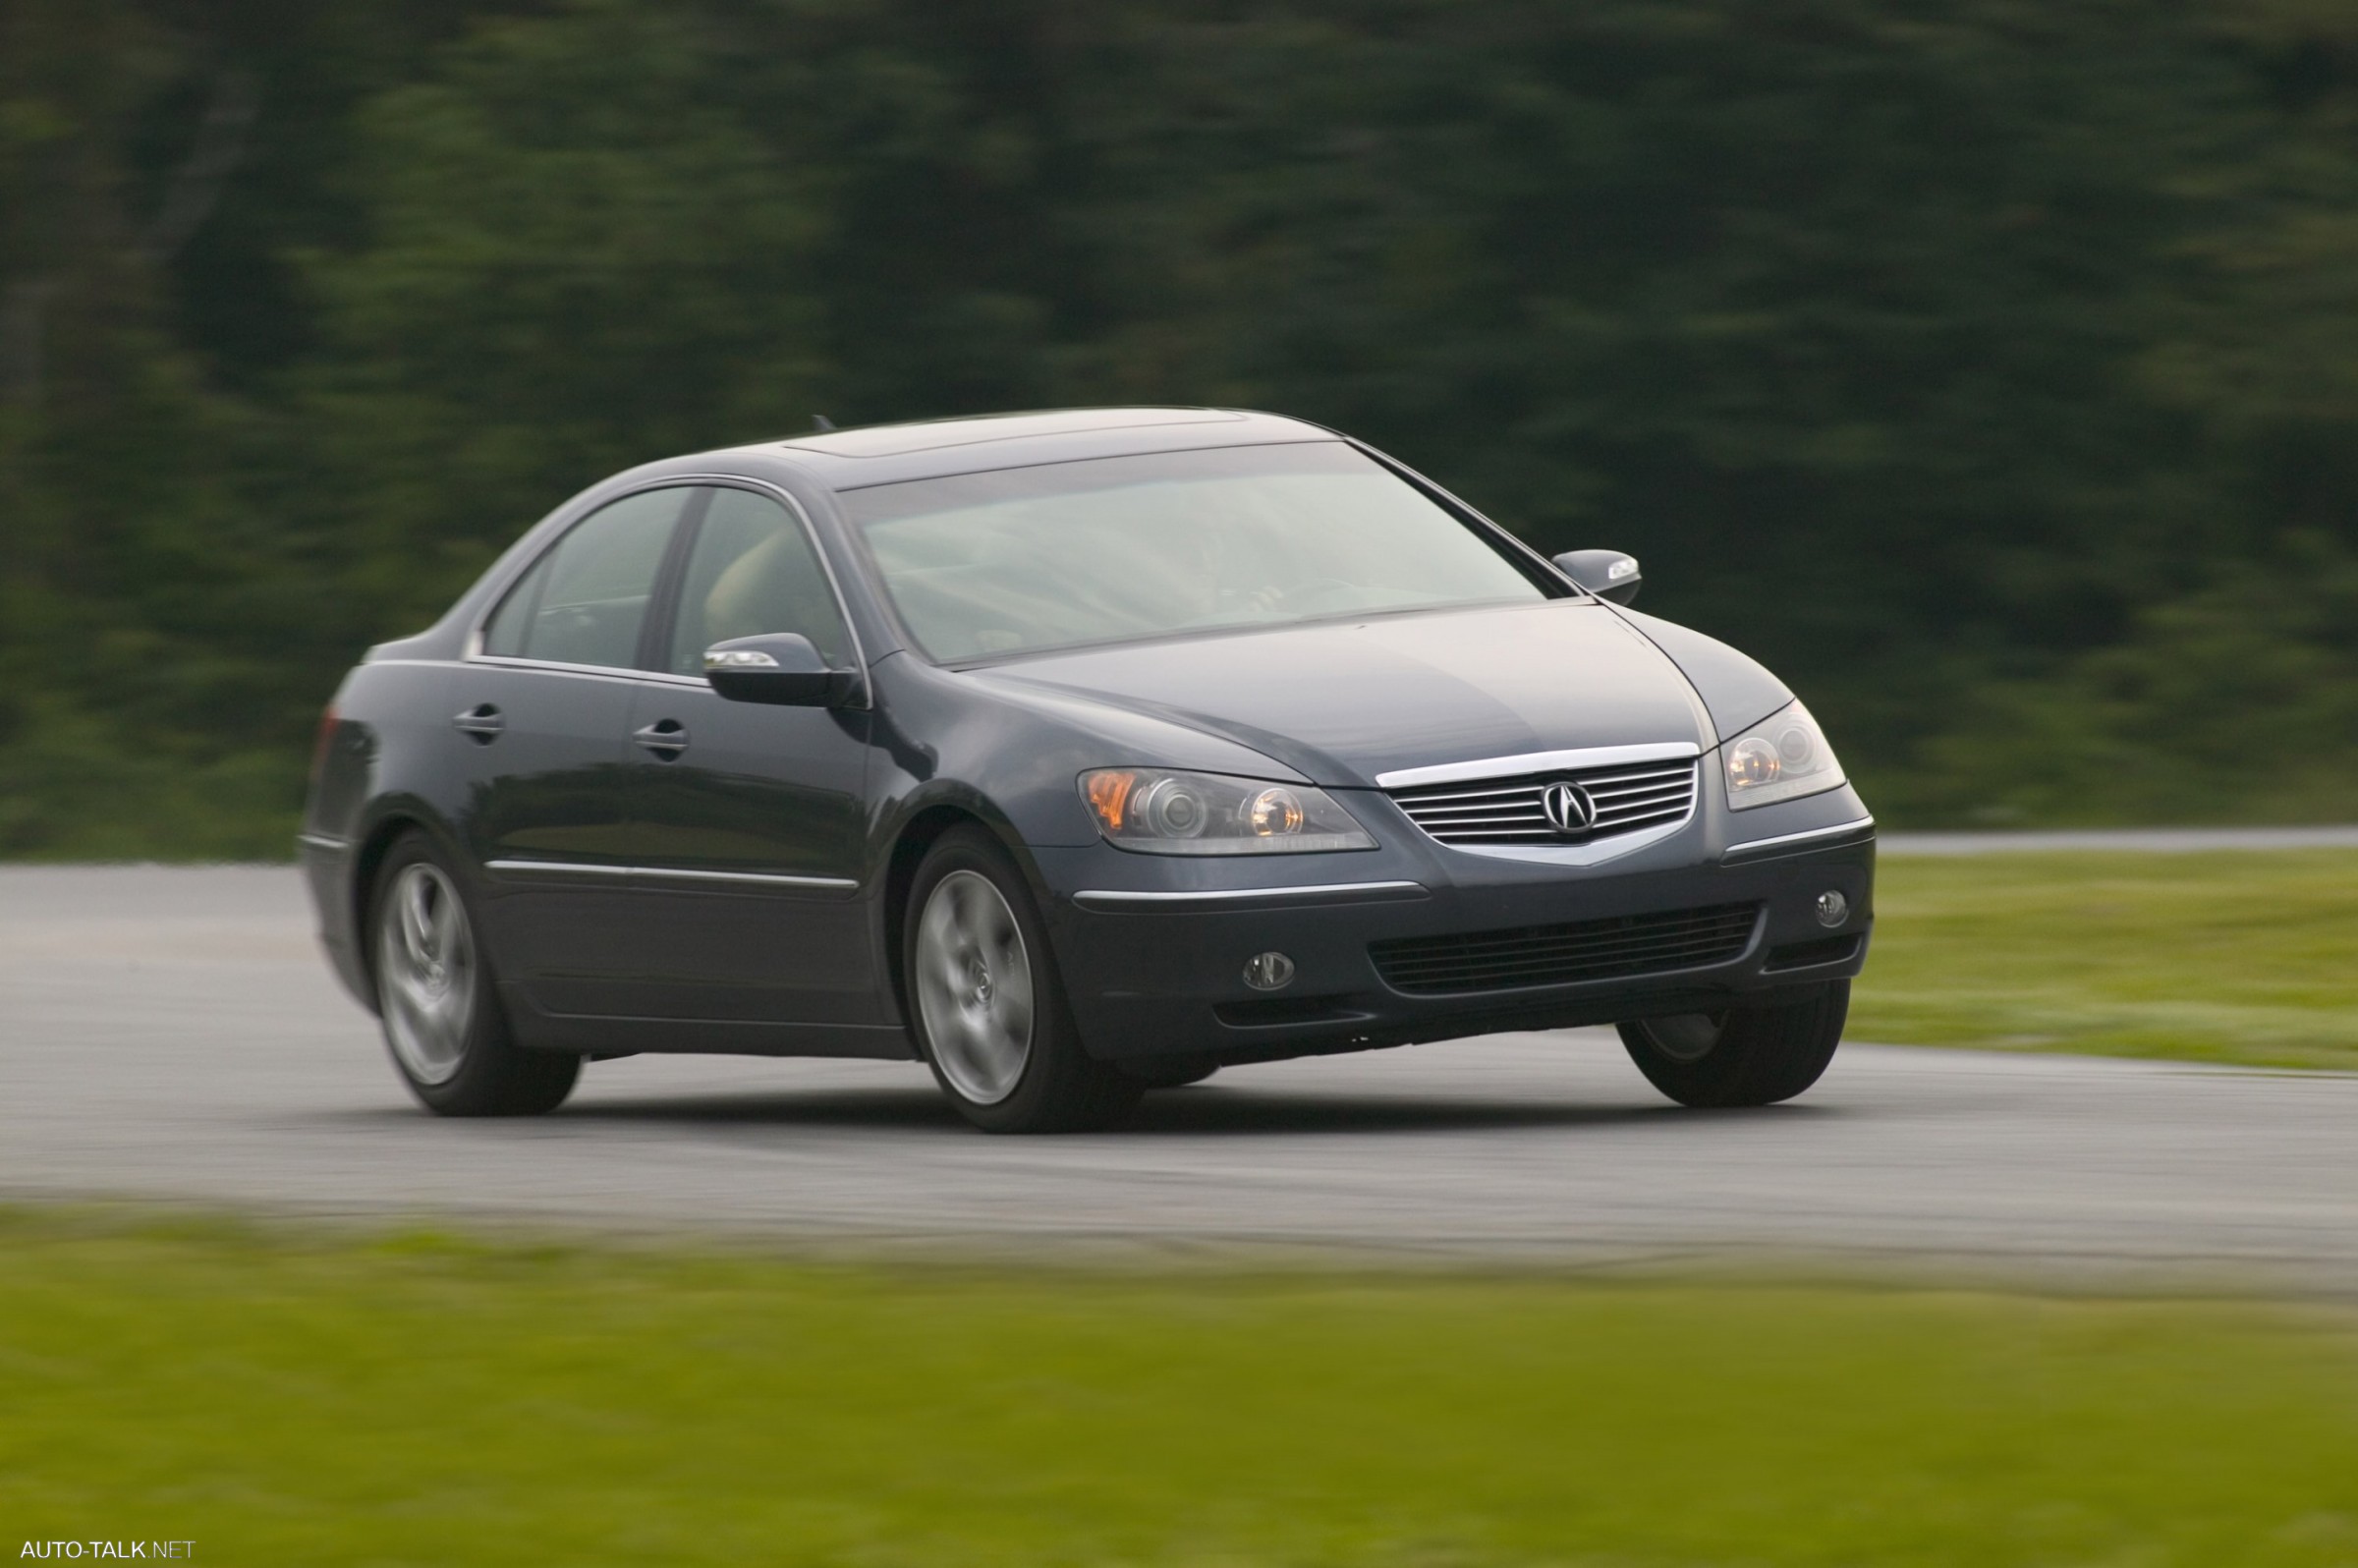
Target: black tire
{"type": "Point", "coordinates": [987, 1004]}
{"type": "Point", "coordinates": [436, 997]}
{"type": "Point", "coordinates": [1745, 1056]}
{"type": "Point", "coordinates": [1168, 1072]}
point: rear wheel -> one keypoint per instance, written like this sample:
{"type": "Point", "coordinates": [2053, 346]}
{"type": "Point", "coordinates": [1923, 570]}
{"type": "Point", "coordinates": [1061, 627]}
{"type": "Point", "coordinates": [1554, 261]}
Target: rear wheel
{"type": "Point", "coordinates": [987, 1004]}
{"type": "Point", "coordinates": [443, 1022]}
{"type": "Point", "coordinates": [1744, 1056]}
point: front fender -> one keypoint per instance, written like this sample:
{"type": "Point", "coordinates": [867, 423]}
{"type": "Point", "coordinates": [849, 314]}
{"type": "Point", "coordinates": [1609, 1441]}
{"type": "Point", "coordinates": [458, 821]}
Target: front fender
{"type": "Point", "coordinates": [1736, 689]}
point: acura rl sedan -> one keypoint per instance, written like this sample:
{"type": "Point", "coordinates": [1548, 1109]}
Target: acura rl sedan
{"type": "Point", "coordinates": [1072, 755]}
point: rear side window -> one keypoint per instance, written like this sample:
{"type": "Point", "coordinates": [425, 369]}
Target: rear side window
{"type": "Point", "coordinates": [504, 635]}
{"type": "Point", "coordinates": [586, 600]}
{"type": "Point", "coordinates": [752, 570]}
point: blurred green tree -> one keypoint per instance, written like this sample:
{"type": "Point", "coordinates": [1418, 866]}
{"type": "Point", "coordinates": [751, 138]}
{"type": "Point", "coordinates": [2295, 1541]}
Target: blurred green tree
{"type": "Point", "coordinates": [1990, 368]}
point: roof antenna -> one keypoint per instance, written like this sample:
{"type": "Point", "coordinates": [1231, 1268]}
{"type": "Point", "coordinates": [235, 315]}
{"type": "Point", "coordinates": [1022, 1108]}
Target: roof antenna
{"type": "Point", "coordinates": [819, 421]}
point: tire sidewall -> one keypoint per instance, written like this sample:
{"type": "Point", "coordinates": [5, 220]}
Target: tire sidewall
{"type": "Point", "coordinates": [486, 1040]}
{"type": "Point", "coordinates": [1055, 1050]}
{"type": "Point", "coordinates": [1765, 1054]}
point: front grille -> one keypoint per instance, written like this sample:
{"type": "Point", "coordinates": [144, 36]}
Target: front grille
{"type": "Point", "coordinates": [1509, 810]}
{"type": "Point", "coordinates": [1624, 946]}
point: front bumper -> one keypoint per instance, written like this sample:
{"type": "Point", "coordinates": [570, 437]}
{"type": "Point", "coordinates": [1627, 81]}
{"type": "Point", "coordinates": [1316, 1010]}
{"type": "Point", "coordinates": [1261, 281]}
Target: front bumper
{"type": "Point", "coordinates": [1154, 956]}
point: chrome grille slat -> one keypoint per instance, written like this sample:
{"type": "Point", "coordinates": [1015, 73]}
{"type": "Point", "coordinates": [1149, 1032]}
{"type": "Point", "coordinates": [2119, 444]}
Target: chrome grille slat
{"type": "Point", "coordinates": [1509, 810]}
{"type": "Point", "coordinates": [1543, 834]}
{"type": "Point", "coordinates": [1505, 820]}
{"type": "Point", "coordinates": [1636, 786]}
{"type": "Point", "coordinates": [1643, 792]}
{"type": "Point", "coordinates": [1635, 823]}
{"type": "Point", "coordinates": [1652, 769]}
{"type": "Point", "coordinates": [1677, 807]}
{"type": "Point", "coordinates": [1469, 797]}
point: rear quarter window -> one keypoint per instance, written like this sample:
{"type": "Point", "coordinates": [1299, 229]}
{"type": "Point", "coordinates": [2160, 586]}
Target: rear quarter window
{"type": "Point", "coordinates": [586, 600]}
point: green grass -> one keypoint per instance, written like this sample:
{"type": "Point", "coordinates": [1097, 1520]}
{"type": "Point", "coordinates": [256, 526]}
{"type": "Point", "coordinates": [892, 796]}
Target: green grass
{"type": "Point", "coordinates": [2247, 958]}
{"type": "Point", "coordinates": [289, 1400]}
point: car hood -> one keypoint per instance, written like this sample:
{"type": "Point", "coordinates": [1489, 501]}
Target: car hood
{"type": "Point", "coordinates": [1340, 701]}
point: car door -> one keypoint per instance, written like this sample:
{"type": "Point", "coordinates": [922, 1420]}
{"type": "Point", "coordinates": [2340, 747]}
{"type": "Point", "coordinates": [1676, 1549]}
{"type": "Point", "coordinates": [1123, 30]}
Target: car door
{"type": "Point", "coordinates": [544, 706]}
{"type": "Point", "coordinates": [749, 822]}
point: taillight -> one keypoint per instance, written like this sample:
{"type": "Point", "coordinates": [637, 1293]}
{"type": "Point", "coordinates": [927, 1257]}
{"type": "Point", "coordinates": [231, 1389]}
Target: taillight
{"type": "Point", "coordinates": [328, 733]}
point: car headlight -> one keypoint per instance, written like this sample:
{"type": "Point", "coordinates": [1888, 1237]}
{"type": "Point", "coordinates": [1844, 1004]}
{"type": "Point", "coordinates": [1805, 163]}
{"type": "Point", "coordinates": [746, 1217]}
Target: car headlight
{"type": "Point", "coordinates": [1782, 757]}
{"type": "Point", "coordinates": [1167, 812]}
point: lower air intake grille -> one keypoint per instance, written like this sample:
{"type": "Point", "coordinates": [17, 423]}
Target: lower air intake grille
{"type": "Point", "coordinates": [1557, 955]}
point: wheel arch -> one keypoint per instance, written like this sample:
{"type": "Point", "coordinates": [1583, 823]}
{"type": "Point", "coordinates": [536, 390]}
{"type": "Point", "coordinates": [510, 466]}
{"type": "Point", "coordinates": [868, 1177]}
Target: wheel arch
{"type": "Point", "coordinates": [368, 854]}
{"type": "Point", "coordinates": [924, 829]}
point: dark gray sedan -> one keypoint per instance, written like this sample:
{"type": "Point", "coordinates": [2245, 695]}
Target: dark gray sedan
{"type": "Point", "coordinates": [1073, 755]}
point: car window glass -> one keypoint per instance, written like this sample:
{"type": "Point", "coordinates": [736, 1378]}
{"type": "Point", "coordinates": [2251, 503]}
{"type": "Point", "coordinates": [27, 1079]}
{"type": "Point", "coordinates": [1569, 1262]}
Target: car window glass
{"type": "Point", "coordinates": [504, 634]}
{"type": "Point", "coordinates": [587, 601]}
{"type": "Point", "coordinates": [1108, 549]}
{"type": "Point", "coordinates": [752, 570]}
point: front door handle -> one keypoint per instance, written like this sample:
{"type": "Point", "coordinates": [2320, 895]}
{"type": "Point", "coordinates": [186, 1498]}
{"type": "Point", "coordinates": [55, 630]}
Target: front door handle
{"type": "Point", "coordinates": [666, 738]}
{"type": "Point", "coordinates": [481, 723]}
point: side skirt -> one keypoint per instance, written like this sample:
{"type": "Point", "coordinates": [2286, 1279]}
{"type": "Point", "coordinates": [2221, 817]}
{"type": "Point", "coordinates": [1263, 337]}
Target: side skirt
{"type": "Point", "coordinates": [623, 1036]}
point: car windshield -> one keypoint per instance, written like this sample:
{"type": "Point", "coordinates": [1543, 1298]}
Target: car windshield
{"type": "Point", "coordinates": [1118, 550]}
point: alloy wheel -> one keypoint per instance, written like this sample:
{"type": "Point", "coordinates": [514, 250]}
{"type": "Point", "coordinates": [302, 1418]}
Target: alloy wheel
{"type": "Point", "coordinates": [974, 988]}
{"type": "Point", "coordinates": [425, 973]}
{"type": "Point", "coordinates": [1686, 1036]}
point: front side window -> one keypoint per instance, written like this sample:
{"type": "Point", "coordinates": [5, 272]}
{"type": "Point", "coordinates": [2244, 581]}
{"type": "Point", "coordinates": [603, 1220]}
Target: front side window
{"type": "Point", "coordinates": [586, 600]}
{"type": "Point", "coordinates": [1118, 550]}
{"type": "Point", "coordinates": [752, 570]}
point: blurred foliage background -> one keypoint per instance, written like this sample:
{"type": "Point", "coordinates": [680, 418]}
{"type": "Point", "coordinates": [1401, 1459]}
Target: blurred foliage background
{"type": "Point", "coordinates": [1989, 367]}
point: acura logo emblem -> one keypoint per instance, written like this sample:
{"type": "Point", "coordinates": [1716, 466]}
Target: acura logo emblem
{"type": "Point", "coordinates": [1569, 809]}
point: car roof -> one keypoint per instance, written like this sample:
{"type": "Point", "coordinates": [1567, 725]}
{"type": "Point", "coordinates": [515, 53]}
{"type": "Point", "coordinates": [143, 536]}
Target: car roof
{"type": "Point", "coordinates": [889, 454]}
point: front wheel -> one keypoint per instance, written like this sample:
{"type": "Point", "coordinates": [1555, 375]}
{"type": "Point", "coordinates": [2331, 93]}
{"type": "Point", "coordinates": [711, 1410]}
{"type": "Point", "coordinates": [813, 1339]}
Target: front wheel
{"type": "Point", "coordinates": [1744, 1056]}
{"type": "Point", "coordinates": [987, 1004]}
{"type": "Point", "coordinates": [442, 1019]}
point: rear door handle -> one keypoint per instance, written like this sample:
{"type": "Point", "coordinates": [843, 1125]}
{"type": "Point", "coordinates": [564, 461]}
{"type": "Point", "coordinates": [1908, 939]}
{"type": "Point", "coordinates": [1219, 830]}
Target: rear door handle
{"type": "Point", "coordinates": [666, 738]}
{"type": "Point", "coordinates": [481, 722]}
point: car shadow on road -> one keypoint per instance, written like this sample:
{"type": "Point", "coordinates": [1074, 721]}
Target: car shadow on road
{"type": "Point", "coordinates": [1209, 1110]}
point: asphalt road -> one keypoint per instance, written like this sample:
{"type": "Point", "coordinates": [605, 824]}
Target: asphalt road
{"type": "Point", "coordinates": [171, 1035]}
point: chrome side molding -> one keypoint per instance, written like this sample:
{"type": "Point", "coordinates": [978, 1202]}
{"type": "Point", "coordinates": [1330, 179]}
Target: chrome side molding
{"type": "Point", "coordinates": [668, 874]}
{"type": "Point", "coordinates": [1210, 900]}
{"type": "Point", "coordinates": [1754, 848]}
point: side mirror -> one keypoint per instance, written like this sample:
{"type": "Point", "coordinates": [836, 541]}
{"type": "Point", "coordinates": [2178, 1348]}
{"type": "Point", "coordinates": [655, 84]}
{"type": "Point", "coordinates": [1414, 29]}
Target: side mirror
{"type": "Point", "coordinates": [780, 667]}
{"type": "Point", "coordinates": [1608, 574]}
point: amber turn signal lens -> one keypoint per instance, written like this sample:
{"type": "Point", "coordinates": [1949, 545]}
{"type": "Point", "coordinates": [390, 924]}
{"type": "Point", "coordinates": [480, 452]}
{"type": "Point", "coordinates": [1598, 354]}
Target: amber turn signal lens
{"type": "Point", "coordinates": [1109, 793]}
{"type": "Point", "coordinates": [320, 742]}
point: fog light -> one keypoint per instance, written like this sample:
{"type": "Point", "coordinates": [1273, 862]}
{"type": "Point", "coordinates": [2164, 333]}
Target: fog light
{"type": "Point", "coordinates": [1268, 971]}
{"type": "Point", "coordinates": [1832, 908]}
